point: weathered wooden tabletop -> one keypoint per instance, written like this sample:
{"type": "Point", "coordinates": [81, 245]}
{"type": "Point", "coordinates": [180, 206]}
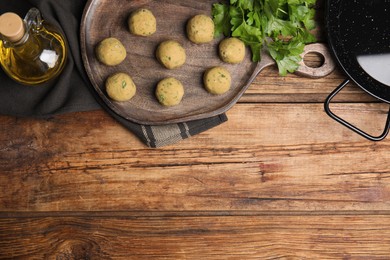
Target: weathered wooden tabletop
{"type": "Point", "coordinates": [280, 179]}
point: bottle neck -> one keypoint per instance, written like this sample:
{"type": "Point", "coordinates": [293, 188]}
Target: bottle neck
{"type": "Point", "coordinates": [23, 40]}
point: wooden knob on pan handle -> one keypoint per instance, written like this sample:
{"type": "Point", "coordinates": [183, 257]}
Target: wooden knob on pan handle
{"type": "Point", "coordinates": [316, 72]}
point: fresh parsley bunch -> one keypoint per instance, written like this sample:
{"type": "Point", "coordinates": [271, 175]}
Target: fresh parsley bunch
{"type": "Point", "coordinates": [282, 26]}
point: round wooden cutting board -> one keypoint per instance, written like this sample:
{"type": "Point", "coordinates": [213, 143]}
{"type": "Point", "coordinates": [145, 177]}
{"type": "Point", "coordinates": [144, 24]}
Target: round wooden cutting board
{"type": "Point", "coordinates": [108, 18]}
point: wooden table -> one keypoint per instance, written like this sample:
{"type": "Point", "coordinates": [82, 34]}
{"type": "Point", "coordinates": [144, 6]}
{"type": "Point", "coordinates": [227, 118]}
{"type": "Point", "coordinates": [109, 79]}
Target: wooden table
{"type": "Point", "coordinates": [280, 179]}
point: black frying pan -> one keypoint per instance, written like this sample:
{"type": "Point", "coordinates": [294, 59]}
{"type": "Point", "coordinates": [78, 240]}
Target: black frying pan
{"type": "Point", "coordinates": [359, 37]}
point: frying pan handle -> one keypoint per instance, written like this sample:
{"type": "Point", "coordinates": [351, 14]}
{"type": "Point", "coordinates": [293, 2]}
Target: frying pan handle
{"type": "Point", "coordinates": [327, 67]}
{"type": "Point", "coordinates": [350, 126]}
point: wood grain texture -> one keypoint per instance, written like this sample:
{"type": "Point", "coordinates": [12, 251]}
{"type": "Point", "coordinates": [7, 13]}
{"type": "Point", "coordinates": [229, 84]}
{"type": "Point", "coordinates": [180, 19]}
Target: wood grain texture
{"type": "Point", "coordinates": [264, 237]}
{"type": "Point", "coordinates": [296, 159]}
{"type": "Point", "coordinates": [270, 87]}
{"type": "Point", "coordinates": [280, 179]}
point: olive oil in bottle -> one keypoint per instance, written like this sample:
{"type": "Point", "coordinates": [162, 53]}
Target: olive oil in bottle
{"type": "Point", "coordinates": [31, 51]}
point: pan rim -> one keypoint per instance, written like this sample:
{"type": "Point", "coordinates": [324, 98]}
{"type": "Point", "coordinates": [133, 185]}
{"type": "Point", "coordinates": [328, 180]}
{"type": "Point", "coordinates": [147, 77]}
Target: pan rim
{"type": "Point", "coordinates": [352, 68]}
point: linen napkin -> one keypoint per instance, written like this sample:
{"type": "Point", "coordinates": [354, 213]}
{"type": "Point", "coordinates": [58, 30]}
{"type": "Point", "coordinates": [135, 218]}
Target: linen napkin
{"type": "Point", "coordinates": [72, 91]}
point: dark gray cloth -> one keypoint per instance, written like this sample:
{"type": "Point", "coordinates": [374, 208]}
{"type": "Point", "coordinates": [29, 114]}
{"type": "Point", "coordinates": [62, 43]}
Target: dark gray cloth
{"type": "Point", "coordinates": [72, 90]}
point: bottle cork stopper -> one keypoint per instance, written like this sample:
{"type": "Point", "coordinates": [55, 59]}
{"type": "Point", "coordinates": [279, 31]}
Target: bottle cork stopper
{"type": "Point", "coordinates": [11, 26]}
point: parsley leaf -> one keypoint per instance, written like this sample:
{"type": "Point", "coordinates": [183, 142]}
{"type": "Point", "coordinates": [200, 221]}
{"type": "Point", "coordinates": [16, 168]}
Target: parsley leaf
{"type": "Point", "coordinates": [221, 19]}
{"type": "Point", "coordinates": [282, 26]}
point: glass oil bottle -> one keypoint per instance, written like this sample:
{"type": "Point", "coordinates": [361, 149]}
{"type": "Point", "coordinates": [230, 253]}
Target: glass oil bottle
{"type": "Point", "coordinates": [31, 50]}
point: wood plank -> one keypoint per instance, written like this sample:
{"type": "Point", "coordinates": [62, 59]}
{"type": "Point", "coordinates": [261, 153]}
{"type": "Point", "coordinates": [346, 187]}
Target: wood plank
{"type": "Point", "coordinates": [270, 87]}
{"type": "Point", "coordinates": [254, 237]}
{"type": "Point", "coordinates": [268, 157]}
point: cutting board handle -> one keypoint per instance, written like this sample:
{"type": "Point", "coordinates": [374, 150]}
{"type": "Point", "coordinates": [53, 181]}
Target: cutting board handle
{"type": "Point", "coordinates": [316, 72]}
